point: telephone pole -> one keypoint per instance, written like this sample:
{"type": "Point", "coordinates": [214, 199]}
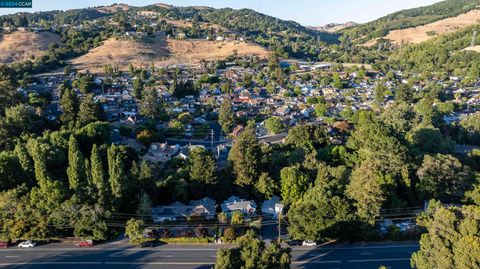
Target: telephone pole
{"type": "Point", "coordinates": [279, 227]}
{"type": "Point", "coordinates": [212, 136]}
{"type": "Point", "coordinates": [474, 37]}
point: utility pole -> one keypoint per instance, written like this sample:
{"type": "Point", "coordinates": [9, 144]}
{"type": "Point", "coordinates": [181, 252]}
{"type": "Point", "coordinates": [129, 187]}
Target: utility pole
{"type": "Point", "coordinates": [474, 37]}
{"type": "Point", "coordinates": [212, 135]}
{"type": "Point", "coordinates": [279, 226]}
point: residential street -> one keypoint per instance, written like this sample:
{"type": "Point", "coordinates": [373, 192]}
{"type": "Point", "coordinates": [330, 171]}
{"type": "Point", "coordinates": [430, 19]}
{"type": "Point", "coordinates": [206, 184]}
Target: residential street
{"type": "Point", "coordinates": [393, 255]}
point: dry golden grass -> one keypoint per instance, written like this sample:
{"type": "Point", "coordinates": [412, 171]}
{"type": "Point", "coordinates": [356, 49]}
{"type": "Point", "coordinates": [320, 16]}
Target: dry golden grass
{"type": "Point", "coordinates": [474, 48]}
{"type": "Point", "coordinates": [162, 52]}
{"type": "Point", "coordinates": [423, 33]}
{"type": "Point", "coordinates": [114, 8]}
{"type": "Point", "coordinates": [20, 46]}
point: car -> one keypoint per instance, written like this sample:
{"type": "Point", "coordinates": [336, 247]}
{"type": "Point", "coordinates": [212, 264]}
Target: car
{"type": "Point", "coordinates": [85, 244]}
{"type": "Point", "coordinates": [149, 244]}
{"type": "Point", "coordinates": [27, 244]}
{"type": "Point", "coordinates": [309, 243]}
{"type": "Point", "coordinates": [3, 245]}
{"type": "Point", "coordinates": [293, 243]}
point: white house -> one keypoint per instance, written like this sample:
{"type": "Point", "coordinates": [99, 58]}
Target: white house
{"type": "Point", "coordinates": [234, 203]}
{"type": "Point", "coordinates": [272, 207]}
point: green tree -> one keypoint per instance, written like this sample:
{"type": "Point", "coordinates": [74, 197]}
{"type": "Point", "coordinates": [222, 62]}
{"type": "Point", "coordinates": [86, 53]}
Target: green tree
{"type": "Point", "coordinates": [365, 190]}
{"type": "Point", "coordinates": [321, 109]}
{"type": "Point", "coordinates": [98, 176]}
{"type": "Point", "coordinates": [252, 253]}
{"type": "Point", "coordinates": [70, 106]}
{"type": "Point", "coordinates": [317, 216]}
{"type": "Point", "coordinates": [226, 118]}
{"type": "Point", "coordinates": [294, 184]}
{"type": "Point", "coordinates": [236, 218]}
{"type": "Point", "coordinates": [443, 177]}
{"type": "Point", "coordinates": [138, 88]}
{"type": "Point", "coordinates": [274, 125]}
{"type": "Point", "coordinates": [117, 175]}
{"type": "Point", "coordinates": [452, 240]}
{"type": "Point", "coordinates": [245, 156]}
{"type": "Point", "coordinates": [77, 178]}
{"type": "Point", "coordinates": [151, 105]}
{"type": "Point", "coordinates": [88, 112]}
{"type": "Point", "coordinates": [266, 186]}
{"type": "Point", "coordinates": [306, 136]}
{"type": "Point", "coordinates": [201, 166]}
{"type": "Point", "coordinates": [134, 231]}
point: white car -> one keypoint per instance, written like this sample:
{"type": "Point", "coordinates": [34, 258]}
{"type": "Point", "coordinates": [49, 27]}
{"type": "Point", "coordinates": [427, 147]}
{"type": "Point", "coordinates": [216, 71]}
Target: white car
{"type": "Point", "coordinates": [27, 244]}
{"type": "Point", "coordinates": [309, 243]}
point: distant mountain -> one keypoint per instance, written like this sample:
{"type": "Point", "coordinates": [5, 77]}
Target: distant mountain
{"type": "Point", "coordinates": [410, 18]}
{"type": "Point", "coordinates": [333, 27]}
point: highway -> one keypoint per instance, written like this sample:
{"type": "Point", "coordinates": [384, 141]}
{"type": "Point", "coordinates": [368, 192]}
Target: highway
{"type": "Point", "coordinates": [339, 256]}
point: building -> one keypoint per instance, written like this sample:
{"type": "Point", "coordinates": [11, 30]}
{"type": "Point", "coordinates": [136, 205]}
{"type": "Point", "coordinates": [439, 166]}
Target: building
{"type": "Point", "coordinates": [161, 152]}
{"type": "Point", "coordinates": [234, 203]}
{"type": "Point", "coordinates": [204, 208]}
{"type": "Point", "coordinates": [272, 207]}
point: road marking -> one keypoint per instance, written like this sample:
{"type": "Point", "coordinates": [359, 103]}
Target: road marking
{"type": "Point", "coordinates": [366, 253]}
{"type": "Point", "coordinates": [159, 263]}
{"type": "Point", "coordinates": [49, 263]}
{"type": "Point", "coordinates": [12, 256]}
{"type": "Point", "coordinates": [213, 256]}
{"type": "Point", "coordinates": [350, 248]}
{"type": "Point", "coordinates": [380, 260]}
{"type": "Point", "coordinates": [65, 255]}
{"type": "Point", "coordinates": [315, 262]}
{"type": "Point", "coordinates": [317, 255]}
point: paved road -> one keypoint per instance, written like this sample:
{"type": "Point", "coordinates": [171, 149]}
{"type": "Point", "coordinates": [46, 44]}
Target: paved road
{"type": "Point", "coordinates": [358, 256]}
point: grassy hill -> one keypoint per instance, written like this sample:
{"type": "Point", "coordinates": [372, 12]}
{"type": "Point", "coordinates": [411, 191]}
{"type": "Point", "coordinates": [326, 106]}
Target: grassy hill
{"type": "Point", "coordinates": [162, 52]}
{"type": "Point", "coordinates": [409, 18]}
{"type": "Point", "coordinates": [21, 46]}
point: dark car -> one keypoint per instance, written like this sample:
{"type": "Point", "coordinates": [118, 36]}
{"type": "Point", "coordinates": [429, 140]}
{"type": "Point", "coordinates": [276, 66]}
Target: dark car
{"type": "Point", "coordinates": [294, 243]}
{"type": "Point", "coordinates": [149, 244]}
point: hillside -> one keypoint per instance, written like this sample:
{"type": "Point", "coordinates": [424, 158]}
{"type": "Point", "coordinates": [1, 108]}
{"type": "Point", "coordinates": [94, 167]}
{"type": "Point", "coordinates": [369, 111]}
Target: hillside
{"type": "Point", "coordinates": [410, 18]}
{"type": "Point", "coordinates": [20, 46]}
{"type": "Point", "coordinates": [425, 32]}
{"type": "Point", "coordinates": [333, 27]}
{"type": "Point", "coordinates": [162, 52]}
{"type": "Point", "coordinates": [114, 8]}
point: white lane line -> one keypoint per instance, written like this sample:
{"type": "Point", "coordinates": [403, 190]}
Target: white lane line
{"type": "Point", "coordinates": [317, 255]}
{"type": "Point", "coordinates": [64, 255]}
{"type": "Point", "coordinates": [350, 248]}
{"type": "Point", "coordinates": [12, 256]}
{"type": "Point", "coordinates": [48, 263]}
{"type": "Point", "coordinates": [366, 253]}
{"type": "Point", "coordinates": [315, 262]}
{"type": "Point", "coordinates": [213, 256]}
{"type": "Point", "coordinates": [380, 260]}
{"type": "Point", "coordinates": [158, 263]}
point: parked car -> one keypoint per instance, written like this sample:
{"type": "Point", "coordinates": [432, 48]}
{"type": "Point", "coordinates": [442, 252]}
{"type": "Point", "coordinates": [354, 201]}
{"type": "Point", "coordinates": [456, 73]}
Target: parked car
{"type": "Point", "coordinates": [3, 245]}
{"type": "Point", "coordinates": [27, 244]}
{"type": "Point", "coordinates": [293, 243]}
{"type": "Point", "coordinates": [85, 244]}
{"type": "Point", "coordinates": [309, 243]}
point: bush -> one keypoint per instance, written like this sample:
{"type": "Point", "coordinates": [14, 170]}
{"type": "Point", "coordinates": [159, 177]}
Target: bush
{"type": "Point", "coordinates": [229, 234]}
{"type": "Point", "coordinates": [188, 240]}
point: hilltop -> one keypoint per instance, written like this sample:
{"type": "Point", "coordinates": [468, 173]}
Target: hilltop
{"type": "Point", "coordinates": [163, 52]}
{"type": "Point", "coordinates": [21, 46]}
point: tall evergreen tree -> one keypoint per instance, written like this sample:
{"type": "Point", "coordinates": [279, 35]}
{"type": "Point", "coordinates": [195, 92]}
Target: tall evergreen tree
{"type": "Point", "coordinates": [69, 104]}
{"type": "Point", "coordinates": [88, 112]}
{"type": "Point", "coordinates": [245, 156]}
{"type": "Point", "coordinates": [98, 176]}
{"type": "Point", "coordinates": [117, 176]}
{"type": "Point", "coordinates": [226, 118]}
{"type": "Point", "coordinates": [77, 178]}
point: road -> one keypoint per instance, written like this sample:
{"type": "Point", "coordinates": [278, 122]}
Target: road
{"type": "Point", "coordinates": [340, 256]}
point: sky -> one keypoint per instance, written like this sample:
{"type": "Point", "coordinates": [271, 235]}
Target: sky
{"type": "Point", "coordinates": [306, 12]}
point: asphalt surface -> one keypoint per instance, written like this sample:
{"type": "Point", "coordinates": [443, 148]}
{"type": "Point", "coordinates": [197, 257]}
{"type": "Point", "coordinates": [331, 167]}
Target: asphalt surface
{"type": "Point", "coordinates": [340, 256]}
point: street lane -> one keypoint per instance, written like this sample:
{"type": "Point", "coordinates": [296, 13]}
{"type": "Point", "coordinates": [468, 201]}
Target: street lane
{"type": "Point", "coordinates": [199, 257]}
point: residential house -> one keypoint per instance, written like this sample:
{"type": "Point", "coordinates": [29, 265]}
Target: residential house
{"type": "Point", "coordinates": [272, 207]}
{"type": "Point", "coordinates": [177, 211]}
{"type": "Point", "coordinates": [234, 203]}
{"type": "Point", "coordinates": [161, 152]}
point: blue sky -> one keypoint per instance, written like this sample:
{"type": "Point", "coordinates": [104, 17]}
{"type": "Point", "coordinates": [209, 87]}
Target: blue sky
{"type": "Point", "coordinates": [306, 12]}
